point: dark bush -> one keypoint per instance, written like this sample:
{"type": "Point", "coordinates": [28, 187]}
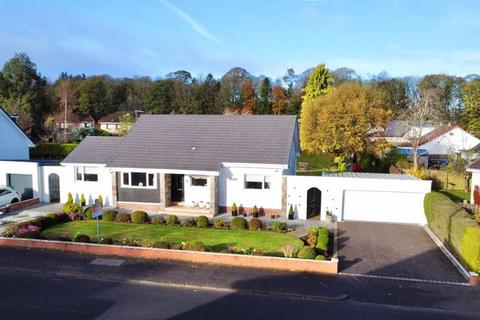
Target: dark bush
{"type": "Point", "coordinates": [238, 223]}
{"type": "Point", "coordinates": [109, 215]}
{"type": "Point", "coordinates": [202, 222]}
{"type": "Point", "coordinates": [255, 224]}
{"type": "Point", "coordinates": [279, 226]}
{"type": "Point", "coordinates": [81, 238]}
{"type": "Point", "coordinates": [122, 217]}
{"type": "Point", "coordinates": [172, 220]}
{"type": "Point", "coordinates": [157, 219]}
{"type": "Point", "coordinates": [56, 151]}
{"type": "Point", "coordinates": [186, 222]}
{"type": "Point", "coordinates": [306, 253]}
{"type": "Point", "coordinates": [194, 245]}
{"type": "Point", "coordinates": [106, 240]}
{"type": "Point", "coordinates": [139, 216]}
{"type": "Point", "coordinates": [219, 223]}
{"type": "Point", "coordinates": [88, 213]}
{"type": "Point", "coordinates": [55, 237]}
{"type": "Point", "coordinates": [162, 244]}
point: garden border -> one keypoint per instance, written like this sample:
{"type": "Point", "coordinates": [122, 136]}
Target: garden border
{"type": "Point", "coordinates": [237, 260]}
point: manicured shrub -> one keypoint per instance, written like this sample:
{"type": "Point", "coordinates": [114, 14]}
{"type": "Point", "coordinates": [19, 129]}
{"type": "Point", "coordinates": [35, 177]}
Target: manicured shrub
{"type": "Point", "coordinates": [455, 228]}
{"type": "Point", "coordinates": [81, 238]}
{"type": "Point", "coordinates": [88, 213]}
{"type": "Point", "coordinates": [194, 245]}
{"type": "Point", "coordinates": [122, 217]}
{"type": "Point", "coordinates": [238, 223]}
{"type": "Point", "coordinates": [255, 224]}
{"type": "Point", "coordinates": [323, 231]}
{"type": "Point", "coordinates": [202, 221]}
{"type": "Point", "coordinates": [157, 219]}
{"type": "Point", "coordinates": [322, 242]}
{"type": "Point", "coordinates": [72, 208]}
{"type": "Point", "coordinates": [291, 213]}
{"type": "Point", "coordinates": [139, 216]}
{"type": "Point", "coordinates": [306, 253]}
{"type": "Point", "coordinates": [162, 244]}
{"type": "Point", "coordinates": [219, 223]}
{"type": "Point", "coordinates": [320, 257]}
{"type": "Point", "coordinates": [234, 209]}
{"type": "Point", "coordinates": [255, 212]}
{"type": "Point", "coordinates": [279, 226]}
{"type": "Point", "coordinates": [29, 231]}
{"type": "Point", "coordinates": [186, 222]}
{"type": "Point", "coordinates": [109, 215]}
{"type": "Point", "coordinates": [106, 240]}
{"type": "Point", "coordinates": [172, 220]}
{"type": "Point", "coordinates": [83, 202]}
{"type": "Point", "coordinates": [100, 200]}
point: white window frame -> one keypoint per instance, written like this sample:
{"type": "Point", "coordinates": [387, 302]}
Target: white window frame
{"type": "Point", "coordinates": [263, 179]}
{"type": "Point", "coordinates": [129, 185]}
{"type": "Point", "coordinates": [81, 171]}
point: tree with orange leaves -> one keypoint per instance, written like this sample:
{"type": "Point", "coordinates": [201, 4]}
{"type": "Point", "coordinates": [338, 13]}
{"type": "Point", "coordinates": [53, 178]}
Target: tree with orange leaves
{"type": "Point", "coordinates": [279, 99]}
{"type": "Point", "coordinates": [249, 98]}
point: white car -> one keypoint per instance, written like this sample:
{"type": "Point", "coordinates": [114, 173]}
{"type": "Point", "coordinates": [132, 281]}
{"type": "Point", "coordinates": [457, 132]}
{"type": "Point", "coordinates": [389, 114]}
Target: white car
{"type": "Point", "coordinates": [8, 196]}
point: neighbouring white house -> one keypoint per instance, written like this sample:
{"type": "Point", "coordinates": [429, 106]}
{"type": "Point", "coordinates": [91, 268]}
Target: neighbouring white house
{"type": "Point", "coordinates": [111, 123]}
{"type": "Point", "coordinates": [474, 168]}
{"type": "Point", "coordinates": [14, 143]}
{"type": "Point", "coordinates": [202, 164]}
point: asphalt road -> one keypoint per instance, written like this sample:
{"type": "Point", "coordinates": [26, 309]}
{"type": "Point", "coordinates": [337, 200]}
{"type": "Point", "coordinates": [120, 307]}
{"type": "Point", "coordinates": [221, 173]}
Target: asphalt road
{"type": "Point", "coordinates": [38, 284]}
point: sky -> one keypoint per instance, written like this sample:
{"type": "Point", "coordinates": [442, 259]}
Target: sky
{"type": "Point", "coordinates": [153, 37]}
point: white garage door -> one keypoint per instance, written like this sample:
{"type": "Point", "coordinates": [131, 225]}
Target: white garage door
{"type": "Point", "coordinates": [401, 207]}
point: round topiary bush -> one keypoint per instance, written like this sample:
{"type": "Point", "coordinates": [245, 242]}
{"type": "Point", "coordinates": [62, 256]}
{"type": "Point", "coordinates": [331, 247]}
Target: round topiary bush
{"type": "Point", "coordinates": [162, 244]}
{"type": "Point", "coordinates": [202, 222]}
{"type": "Point", "coordinates": [279, 226]}
{"type": "Point", "coordinates": [88, 213]}
{"type": "Point", "coordinates": [219, 223]}
{"type": "Point", "coordinates": [157, 219]}
{"type": "Point", "coordinates": [172, 220]}
{"type": "Point", "coordinates": [106, 240]}
{"type": "Point", "coordinates": [186, 222]}
{"type": "Point", "coordinates": [320, 257]}
{"type": "Point", "coordinates": [109, 215]}
{"type": "Point", "coordinates": [322, 242]}
{"type": "Point", "coordinates": [306, 253]}
{"type": "Point", "coordinates": [194, 245]}
{"type": "Point", "coordinates": [238, 223]}
{"type": "Point", "coordinates": [323, 231]}
{"type": "Point", "coordinates": [122, 217]}
{"type": "Point", "coordinates": [81, 238]}
{"type": "Point", "coordinates": [139, 216]}
{"type": "Point", "coordinates": [255, 224]}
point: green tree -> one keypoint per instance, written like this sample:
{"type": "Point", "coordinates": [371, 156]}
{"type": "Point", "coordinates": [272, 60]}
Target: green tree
{"type": "Point", "coordinates": [395, 93]}
{"type": "Point", "coordinates": [126, 123]}
{"type": "Point", "coordinates": [264, 105]}
{"type": "Point", "coordinates": [159, 97]}
{"type": "Point", "coordinates": [23, 91]}
{"type": "Point", "coordinates": [471, 97]}
{"type": "Point", "coordinates": [319, 83]}
{"type": "Point", "coordinates": [207, 96]}
{"type": "Point", "coordinates": [93, 97]}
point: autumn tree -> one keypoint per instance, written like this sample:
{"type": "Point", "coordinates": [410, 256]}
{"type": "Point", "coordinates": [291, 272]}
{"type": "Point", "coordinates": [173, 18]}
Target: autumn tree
{"type": "Point", "coordinates": [264, 104]}
{"type": "Point", "coordinates": [232, 83]}
{"type": "Point", "coordinates": [395, 93]}
{"type": "Point", "coordinates": [471, 97]}
{"type": "Point", "coordinates": [279, 100]}
{"type": "Point", "coordinates": [248, 98]}
{"type": "Point", "coordinates": [319, 83]}
{"type": "Point", "coordinates": [343, 120]}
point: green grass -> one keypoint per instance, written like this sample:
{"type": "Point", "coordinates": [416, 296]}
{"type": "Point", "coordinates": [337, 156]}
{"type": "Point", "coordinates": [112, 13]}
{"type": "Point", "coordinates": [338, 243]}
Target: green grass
{"type": "Point", "coordinates": [456, 195]}
{"type": "Point", "coordinates": [322, 161]}
{"type": "Point", "coordinates": [214, 239]}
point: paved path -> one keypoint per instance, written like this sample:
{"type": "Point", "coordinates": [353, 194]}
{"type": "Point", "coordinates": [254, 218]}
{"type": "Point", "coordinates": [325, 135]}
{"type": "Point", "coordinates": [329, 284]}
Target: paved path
{"type": "Point", "coordinates": [28, 213]}
{"type": "Point", "coordinates": [392, 250]}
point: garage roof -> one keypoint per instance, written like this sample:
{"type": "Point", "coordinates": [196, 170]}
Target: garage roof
{"type": "Point", "coordinates": [369, 175]}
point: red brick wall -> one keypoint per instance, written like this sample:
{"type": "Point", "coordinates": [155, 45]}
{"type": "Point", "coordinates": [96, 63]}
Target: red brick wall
{"type": "Point", "coordinates": [266, 211]}
{"type": "Point", "coordinates": [20, 205]}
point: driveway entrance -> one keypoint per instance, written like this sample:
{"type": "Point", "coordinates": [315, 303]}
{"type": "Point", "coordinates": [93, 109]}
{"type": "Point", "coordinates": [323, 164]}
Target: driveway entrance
{"type": "Point", "coordinates": [392, 250]}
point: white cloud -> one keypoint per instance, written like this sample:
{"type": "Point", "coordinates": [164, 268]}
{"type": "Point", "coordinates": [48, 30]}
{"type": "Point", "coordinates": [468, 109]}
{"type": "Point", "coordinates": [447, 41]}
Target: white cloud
{"type": "Point", "coordinates": [194, 24]}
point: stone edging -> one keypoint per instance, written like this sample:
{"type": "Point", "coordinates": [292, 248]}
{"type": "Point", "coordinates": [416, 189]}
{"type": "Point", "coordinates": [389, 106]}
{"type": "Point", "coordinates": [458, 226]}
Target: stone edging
{"type": "Point", "coordinates": [471, 277]}
{"type": "Point", "coordinates": [263, 262]}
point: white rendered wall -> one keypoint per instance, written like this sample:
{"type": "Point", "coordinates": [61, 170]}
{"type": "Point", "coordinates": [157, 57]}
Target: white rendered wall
{"type": "Point", "coordinates": [195, 193]}
{"type": "Point", "coordinates": [382, 190]}
{"type": "Point", "coordinates": [14, 145]}
{"type": "Point", "coordinates": [454, 141]}
{"type": "Point", "coordinates": [231, 187]}
{"type": "Point", "coordinates": [475, 182]}
{"type": "Point", "coordinates": [22, 167]}
{"type": "Point", "coordinates": [45, 171]}
{"type": "Point", "coordinates": [90, 189]}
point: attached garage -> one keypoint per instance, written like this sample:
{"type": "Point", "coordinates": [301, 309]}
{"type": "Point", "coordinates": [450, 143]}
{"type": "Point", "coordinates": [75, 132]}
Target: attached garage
{"type": "Point", "coordinates": [358, 196]}
{"type": "Point", "coordinates": [22, 183]}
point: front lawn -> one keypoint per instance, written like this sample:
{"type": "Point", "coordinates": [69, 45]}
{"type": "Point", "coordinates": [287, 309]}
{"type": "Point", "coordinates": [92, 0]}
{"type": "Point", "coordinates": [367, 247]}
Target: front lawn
{"type": "Point", "coordinates": [456, 195]}
{"type": "Point", "coordinates": [216, 240]}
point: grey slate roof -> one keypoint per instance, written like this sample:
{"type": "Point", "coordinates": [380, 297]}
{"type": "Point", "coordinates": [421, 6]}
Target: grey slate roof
{"type": "Point", "coordinates": [203, 142]}
{"type": "Point", "coordinates": [474, 165]}
{"type": "Point", "coordinates": [368, 175]}
{"type": "Point", "coordinates": [96, 150]}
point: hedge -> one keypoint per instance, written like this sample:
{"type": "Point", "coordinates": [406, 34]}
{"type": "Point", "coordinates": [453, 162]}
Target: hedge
{"type": "Point", "coordinates": [455, 228]}
{"type": "Point", "coordinates": [55, 151]}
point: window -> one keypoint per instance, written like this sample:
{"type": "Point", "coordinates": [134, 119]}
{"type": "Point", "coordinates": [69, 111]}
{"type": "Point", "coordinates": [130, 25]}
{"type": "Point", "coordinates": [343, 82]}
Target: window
{"type": "Point", "coordinates": [253, 181]}
{"type": "Point", "coordinates": [139, 180]}
{"type": "Point", "coordinates": [86, 174]}
{"type": "Point", "coordinates": [199, 182]}
{"type": "Point", "coordinates": [4, 192]}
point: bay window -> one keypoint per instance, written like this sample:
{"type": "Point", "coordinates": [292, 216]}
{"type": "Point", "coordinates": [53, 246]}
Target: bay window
{"type": "Point", "coordinates": [139, 180]}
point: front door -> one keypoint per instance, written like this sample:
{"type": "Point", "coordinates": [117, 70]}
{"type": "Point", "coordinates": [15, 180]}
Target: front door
{"type": "Point", "coordinates": [177, 188]}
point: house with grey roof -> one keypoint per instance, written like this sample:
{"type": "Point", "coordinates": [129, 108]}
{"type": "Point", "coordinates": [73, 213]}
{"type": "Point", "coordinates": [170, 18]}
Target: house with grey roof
{"type": "Point", "coordinates": [198, 163]}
